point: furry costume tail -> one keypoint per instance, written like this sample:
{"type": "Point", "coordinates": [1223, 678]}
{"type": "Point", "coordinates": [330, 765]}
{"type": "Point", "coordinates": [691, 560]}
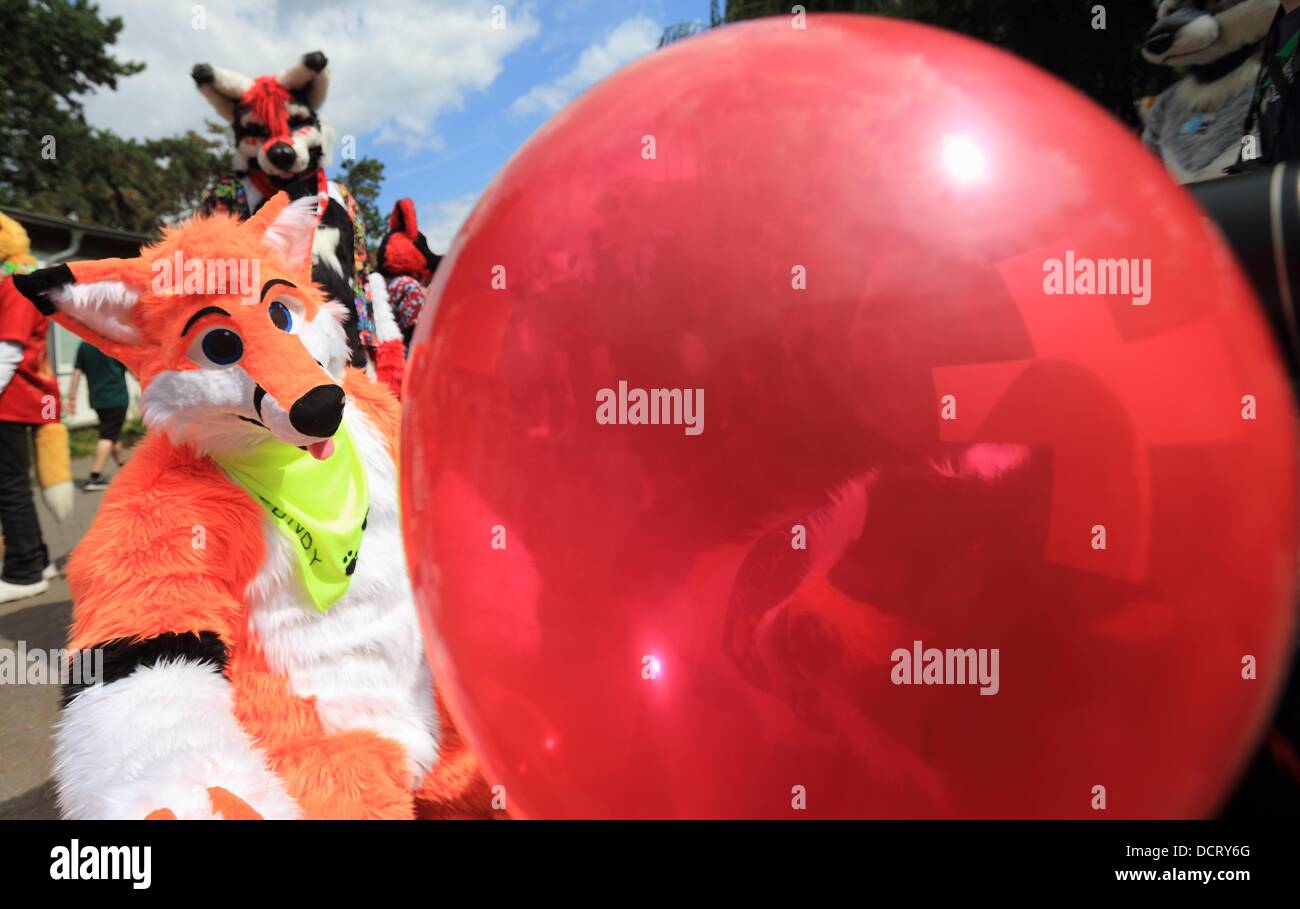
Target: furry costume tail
{"type": "Point", "coordinates": [390, 354]}
{"type": "Point", "coordinates": [54, 469]}
{"type": "Point", "coordinates": [390, 365]}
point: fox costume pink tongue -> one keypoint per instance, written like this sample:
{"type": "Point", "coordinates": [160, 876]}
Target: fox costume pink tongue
{"type": "Point", "coordinates": [322, 449]}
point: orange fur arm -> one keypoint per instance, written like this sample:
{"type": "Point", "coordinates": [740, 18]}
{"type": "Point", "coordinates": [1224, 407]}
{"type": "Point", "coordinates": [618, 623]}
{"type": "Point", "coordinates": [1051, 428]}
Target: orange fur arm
{"type": "Point", "coordinates": [170, 550]}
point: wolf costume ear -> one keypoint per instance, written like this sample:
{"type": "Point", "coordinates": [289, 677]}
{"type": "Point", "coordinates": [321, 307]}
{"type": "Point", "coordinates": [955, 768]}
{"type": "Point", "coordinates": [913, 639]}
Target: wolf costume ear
{"type": "Point", "coordinates": [287, 228]}
{"type": "Point", "coordinates": [222, 87]}
{"type": "Point", "coordinates": [309, 75]}
{"type": "Point", "coordinates": [402, 219]}
{"type": "Point", "coordinates": [95, 301]}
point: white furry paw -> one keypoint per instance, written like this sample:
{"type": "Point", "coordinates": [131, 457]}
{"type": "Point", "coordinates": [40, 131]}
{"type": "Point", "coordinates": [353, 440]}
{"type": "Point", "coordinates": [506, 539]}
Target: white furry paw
{"type": "Point", "coordinates": [220, 796]}
{"type": "Point", "coordinates": [222, 804]}
{"type": "Point", "coordinates": [163, 739]}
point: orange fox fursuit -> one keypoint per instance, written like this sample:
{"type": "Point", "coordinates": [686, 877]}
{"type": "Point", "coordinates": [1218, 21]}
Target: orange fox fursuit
{"type": "Point", "coordinates": [250, 670]}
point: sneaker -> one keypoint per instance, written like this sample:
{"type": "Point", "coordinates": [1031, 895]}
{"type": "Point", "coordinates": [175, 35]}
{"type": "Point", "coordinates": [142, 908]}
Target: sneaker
{"type": "Point", "coordinates": [51, 572]}
{"type": "Point", "coordinates": [10, 592]}
{"type": "Point", "coordinates": [95, 483]}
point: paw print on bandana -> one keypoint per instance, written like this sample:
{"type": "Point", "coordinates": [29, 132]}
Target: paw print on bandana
{"type": "Point", "coordinates": [350, 560]}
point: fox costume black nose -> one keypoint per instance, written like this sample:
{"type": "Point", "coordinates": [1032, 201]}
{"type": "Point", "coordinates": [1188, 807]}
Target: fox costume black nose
{"type": "Point", "coordinates": [318, 412]}
{"type": "Point", "coordinates": [282, 155]}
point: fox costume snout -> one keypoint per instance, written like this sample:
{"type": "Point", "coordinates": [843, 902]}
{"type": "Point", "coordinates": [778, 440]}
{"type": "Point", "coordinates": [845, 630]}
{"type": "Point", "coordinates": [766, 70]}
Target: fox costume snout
{"type": "Point", "coordinates": [256, 661]}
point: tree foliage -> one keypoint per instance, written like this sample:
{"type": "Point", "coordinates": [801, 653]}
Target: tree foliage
{"type": "Point", "coordinates": [1057, 35]}
{"type": "Point", "coordinates": [364, 177]}
{"type": "Point", "coordinates": [52, 54]}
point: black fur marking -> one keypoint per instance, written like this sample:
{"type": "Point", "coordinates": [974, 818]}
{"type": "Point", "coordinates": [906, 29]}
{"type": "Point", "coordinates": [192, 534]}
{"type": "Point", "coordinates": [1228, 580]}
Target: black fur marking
{"type": "Point", "coordinates": [431, 258]}
{"type": "Point", "coordinates": [205, 311]}
{"type": "Point", "coordinates": [337, 286]}
{"type": "Point", "coordinates": [381, 257]}
{"type": "Point", "coordinates": [273, 282]}
{"type": "Point", "coordinates": [1209, 72]}
{"type": "Point", "coordinates": [36, 285]}
{"type": "Point", "coordinates": [258, 394]}
{"type": "Point", "coordinates": [124, 656]}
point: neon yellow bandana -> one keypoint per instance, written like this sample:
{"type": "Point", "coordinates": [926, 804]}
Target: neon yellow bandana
{"type": "Point", "coordinates": [320, 506]}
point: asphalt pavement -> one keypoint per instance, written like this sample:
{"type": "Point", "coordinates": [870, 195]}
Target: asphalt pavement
{"type": "Point", "coordinates": [28, 712]}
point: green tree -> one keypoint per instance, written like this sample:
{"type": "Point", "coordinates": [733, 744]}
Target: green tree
{"type": "Point", "coordinates": [364, 178]}
{"type": "Point", "coordinates": [1057, 35]}
{"type": "Point", "coordinates": [52, 161]}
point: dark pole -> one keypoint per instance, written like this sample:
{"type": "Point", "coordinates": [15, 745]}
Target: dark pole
{"type": "Point", "coordinates": [1259, 214]}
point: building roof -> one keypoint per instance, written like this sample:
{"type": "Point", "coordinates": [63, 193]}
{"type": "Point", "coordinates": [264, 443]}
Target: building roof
{"type": "Point", "coordinates": [25, 217]}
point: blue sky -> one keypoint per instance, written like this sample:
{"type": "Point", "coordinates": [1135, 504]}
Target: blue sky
{"type": "Point", "coordinates": [426, 86]}
{"type": "Point", "coordinates": [492, 125]}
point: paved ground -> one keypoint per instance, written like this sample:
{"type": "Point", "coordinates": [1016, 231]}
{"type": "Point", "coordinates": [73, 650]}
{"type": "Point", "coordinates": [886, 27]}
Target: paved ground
{"type": "Point", "coordinates": [27, 712]}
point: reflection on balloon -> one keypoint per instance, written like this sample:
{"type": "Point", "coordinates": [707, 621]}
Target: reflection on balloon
{"type": "Point", "coordinates": [952, 540]}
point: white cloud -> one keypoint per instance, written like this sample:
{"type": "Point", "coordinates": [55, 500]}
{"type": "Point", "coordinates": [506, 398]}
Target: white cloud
{"type": "Point", "coordinates": [395, 65]}
{"type": "Point", "coordinates": [439, 221]}
{"type": "Point", "coordinates": [629, 40]}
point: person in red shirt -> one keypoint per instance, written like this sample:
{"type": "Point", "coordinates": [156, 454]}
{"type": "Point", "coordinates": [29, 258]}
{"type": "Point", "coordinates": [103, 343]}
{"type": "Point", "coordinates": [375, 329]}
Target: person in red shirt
{"type": "Point", "coordinates": [29, 396]}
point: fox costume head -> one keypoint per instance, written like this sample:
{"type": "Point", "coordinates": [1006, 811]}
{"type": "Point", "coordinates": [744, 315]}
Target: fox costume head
{"type": "Point", "coordinates": [276, 127]}
{"type": "Point", "coordinates": [218, 370]}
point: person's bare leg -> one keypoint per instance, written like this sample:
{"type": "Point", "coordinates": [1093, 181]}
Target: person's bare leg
{"type": "Point", "coordinates": [119, 452]}
{"type": "Point", "coordinates": [102, 449]}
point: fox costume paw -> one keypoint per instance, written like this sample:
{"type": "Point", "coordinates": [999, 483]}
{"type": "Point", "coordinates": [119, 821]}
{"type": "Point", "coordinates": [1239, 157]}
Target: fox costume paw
{"type": "Point", "coordinates": [158, 763]}
{"type": "Point", "coordinates": [194, 802]}
{"type": "Point", "coordinates": [225, 804]}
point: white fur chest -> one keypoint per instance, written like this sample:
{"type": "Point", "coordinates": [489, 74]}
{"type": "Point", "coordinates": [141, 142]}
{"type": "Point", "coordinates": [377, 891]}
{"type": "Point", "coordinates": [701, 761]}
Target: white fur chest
{"type": "Point", "coordinates": [362, 660]}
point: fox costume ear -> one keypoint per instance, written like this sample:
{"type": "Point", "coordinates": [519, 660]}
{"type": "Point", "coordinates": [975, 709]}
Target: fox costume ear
{"type": "Point", "coordinates": [287, 228]}
{"type": "Point", "coordinates": [94, 300]}
{"type": "Point", "coordinates": [222, 87]}
{"type": "Point", "coordinates": [309, 75]}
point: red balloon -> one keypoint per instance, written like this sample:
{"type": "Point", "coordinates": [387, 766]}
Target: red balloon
{"type": "Point", "coordinates": [967, 489]}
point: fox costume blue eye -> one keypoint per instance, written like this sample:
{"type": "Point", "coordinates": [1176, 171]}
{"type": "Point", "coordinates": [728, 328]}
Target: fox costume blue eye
{"type": "Point", "coordinates": [281, 317]}
{"type": "Point", "coordinates": [222, 346]}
